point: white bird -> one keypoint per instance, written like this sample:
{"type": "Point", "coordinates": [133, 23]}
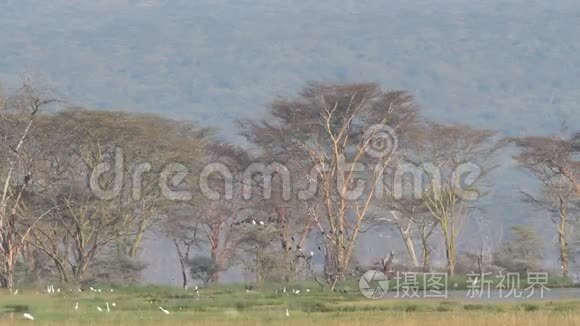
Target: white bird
{"type": "Point", "coordinates": [312, 254]}
{"type": "Point", "coordinates": [254, 222]}
{"type": "Point", "coordinates": [28, 316]}
{"type": "Point", "coordinates": [195, 288]}
{"type": "Point", "coordinates": [16, 292]}
{"type": "Point", "coordinates": [297, 292]}
{"type": "Point", "coordinates": [77, 305]}
{"type": "Point", "coordinates": [307, 290]}
{"type": "Point", "coordinates": [108, 308]}
{"type": "Point", "coordinates": [92, 289]}
{"type": "Point", "coordinates": [261, 223]}
{"type": "Point", "coordinates": [99, 309]}
{"type": "Point", "coordinates": [165, 311]}
{"type": "Point", "coordinates": [58, 290]}
{"type": "Point", "coordinates": [112, 290]}
{"type": "Point", "coordinates": [100, 291]}
{"type": "Point", "coordinates": [287, 312]}
{"type": "Point", "coordinates": [113, 304]}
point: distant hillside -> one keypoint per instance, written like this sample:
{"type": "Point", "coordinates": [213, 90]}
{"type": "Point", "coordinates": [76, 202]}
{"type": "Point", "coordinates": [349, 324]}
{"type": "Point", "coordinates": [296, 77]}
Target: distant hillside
{"type": "Point", "coordinates": [512, 65]}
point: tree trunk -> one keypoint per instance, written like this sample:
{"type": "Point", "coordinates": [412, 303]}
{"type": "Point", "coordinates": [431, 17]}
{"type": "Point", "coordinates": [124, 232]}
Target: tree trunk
{"type": "Point", "coordinates": [136, 243]}
{"type": "Point", "coordinates": [450, 254]}
{"type": "Point", "coordinates": [9, 274]}
{"type": "Point", "coordinates": [215, 276]}
{"type": "Point", "coordinates": [406, 234]}
{"type": "Point", "coordinates": [563, 244]}
{"type": "Point", "coordinates": [182, 263]}
{"type": "Point", "coordinates": [449, 242]}
{"type": "Point", "coordinates": [426, 254]}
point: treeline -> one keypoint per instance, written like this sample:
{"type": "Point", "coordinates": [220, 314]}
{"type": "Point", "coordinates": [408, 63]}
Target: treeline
{"type": "Point", "coordinates": [81, 188]}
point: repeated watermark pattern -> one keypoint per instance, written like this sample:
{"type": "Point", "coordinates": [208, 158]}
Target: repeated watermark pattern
{"type": "Point", "coordinates": [404, 179]}
{"type": "Point", "coordinates": [409, 285]}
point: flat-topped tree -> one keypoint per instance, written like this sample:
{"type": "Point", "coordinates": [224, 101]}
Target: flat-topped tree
{"type": "Point", "coordinates": [555, 162]}
{"type": "Point", "coordinates": [326, 133]}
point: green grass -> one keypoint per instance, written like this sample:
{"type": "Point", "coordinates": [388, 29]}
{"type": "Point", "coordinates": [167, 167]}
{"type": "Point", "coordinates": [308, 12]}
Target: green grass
{"type": "Point", "coordinates": [231, 303]}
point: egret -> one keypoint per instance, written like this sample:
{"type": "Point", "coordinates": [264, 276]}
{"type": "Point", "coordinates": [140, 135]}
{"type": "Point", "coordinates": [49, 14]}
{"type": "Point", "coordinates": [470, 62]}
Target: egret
{"type": "Point", "coordinates": [261, 223]}
{"type": "Point", "coordinates": [113, 304]}
{"type": "Point", "coordinates": [99, 309]}
{"type": "Point", "coordinates": [253, 222]}
{"type": "Point", "coordinates": [28, 316]}
{"type": "Point", "coordinates": [297, 292]}
{"type": "Point", "coordinates": [77, 305]}
{"type": "Point", "coordinates": [312, 254]}
{"type": "Point", "coordinates": [16, 292]}
{"type": "Point", "coordinates": [287, 312]}
{"type": "Point", "coordinates": [165, 311]}
{"type": "Point", "coordinates": [108, 308]}
{"type": "Point", "coordinates": [307, 290]}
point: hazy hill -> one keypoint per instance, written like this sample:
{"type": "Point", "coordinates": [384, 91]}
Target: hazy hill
{"type": "Point", "coordinates": [512, 65]}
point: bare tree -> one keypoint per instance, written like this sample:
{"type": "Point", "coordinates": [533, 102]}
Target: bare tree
{"type": "Point", "coordinates": [456, 160]}
{"type": "Point", "coordinates": [333, 130]}
{"type": "Point", "coordinates": [552, 161]}
{"type": "Point", "coordinates": [78, 142]}
{"type": "Point", "coordinates": [18, 116]}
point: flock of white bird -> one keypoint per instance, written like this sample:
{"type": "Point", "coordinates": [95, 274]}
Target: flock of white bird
{"type": "Point", "coordinates": [108, 307]}
{"type": "Point", "coordinates": [286, 292]}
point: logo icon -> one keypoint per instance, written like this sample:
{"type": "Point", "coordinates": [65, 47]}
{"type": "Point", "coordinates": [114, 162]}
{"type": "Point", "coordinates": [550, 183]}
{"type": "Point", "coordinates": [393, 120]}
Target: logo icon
{"type": "Point", "coordinates": [382, 141]}
{"type": "Point", "coordinates": [373, 284]}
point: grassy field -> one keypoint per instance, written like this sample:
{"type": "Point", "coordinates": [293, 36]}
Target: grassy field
{"type": "Point", "coordinates": [234, 306]}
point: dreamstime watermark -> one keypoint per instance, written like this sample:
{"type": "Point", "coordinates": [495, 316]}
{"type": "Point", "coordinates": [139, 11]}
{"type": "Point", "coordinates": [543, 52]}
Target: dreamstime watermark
{"type": "Point", "coordinates": [380, 141]}
{"type": "Point", "coordinates": [409, 285]}
{"type": "Point", "coordinates": [377, 142]}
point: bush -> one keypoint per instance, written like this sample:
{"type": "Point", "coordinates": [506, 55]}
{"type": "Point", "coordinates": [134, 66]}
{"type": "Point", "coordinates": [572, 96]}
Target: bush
{"type": "Point", "coordinates": [202, 268]}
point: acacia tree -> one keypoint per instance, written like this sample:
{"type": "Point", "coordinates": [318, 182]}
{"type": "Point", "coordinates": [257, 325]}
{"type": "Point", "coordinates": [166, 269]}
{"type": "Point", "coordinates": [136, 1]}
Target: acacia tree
{"type": "Point", "coordinates": [18, 116]}
{"type": "Point", "coordinates": [83, 224]}
{"type": "Point", "coordinates": [181, 224]}
{"type": "Point", "coordinates": [553, 161]}
{"type": "Point", "coordinates": [218, 216]}
{"type": "Point", "coordinates": [97, 211]}
{"type": "Point", "coordinates": [281, 169]}
{"type": "Point", "coordinates": [331, 130]}
{"type": "Point", "coordinates": [456, 160]}
{"type": "Point", "coordinates": [412, 219]}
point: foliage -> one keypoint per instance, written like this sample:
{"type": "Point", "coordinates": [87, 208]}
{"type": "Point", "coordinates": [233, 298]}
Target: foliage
{"type": "Point", "coordinates": [522, 253]}
{"type": "Point", "coordinates": [202, 268]}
